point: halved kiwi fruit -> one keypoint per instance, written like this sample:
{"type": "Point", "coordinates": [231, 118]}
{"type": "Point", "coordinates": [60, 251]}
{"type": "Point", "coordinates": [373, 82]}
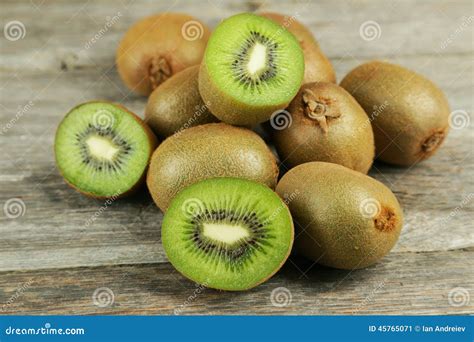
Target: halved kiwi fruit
{"type": "Point", "coordinates": [208, 151]}
{"type": "Point", "coordinates": [227, 233]}
{"type": "Point", "coordinates": [103, 150]}
{"type": "Point", "coordinates": [327, 125]}
{"type": "Point", "coordinates": [409, 113]}
{"type": "Point", "coordinates": [251, 68]}
{"type": "Point", "coordinates": [176, 104]}
{"type": "Point", "coordinates": [157, 47]}
{"type": "Point", "coordinates": [317, 67]}
{"type": "Point", "coordinates": [343, 218]}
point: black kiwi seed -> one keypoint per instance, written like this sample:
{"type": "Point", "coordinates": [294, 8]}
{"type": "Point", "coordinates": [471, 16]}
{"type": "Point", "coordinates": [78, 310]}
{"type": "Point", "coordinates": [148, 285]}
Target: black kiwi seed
{"type": "Point", "coordinates": [117, 163]}
{"type": "Point", "coordinates": [241, 60]}
{"type": "Point", "coordinates": [234, 255]}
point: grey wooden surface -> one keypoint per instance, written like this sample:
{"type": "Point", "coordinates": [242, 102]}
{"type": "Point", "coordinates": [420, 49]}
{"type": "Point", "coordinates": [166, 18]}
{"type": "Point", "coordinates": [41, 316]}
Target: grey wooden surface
{"type": "Point", "coordinates": [53, 260]}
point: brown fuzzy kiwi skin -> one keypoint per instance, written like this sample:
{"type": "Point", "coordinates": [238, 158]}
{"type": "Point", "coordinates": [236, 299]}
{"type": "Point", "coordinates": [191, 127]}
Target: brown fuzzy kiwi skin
{"type": "Point", "coordinates": [317, 66]}
{"type": "Point", "coordinates": [347, 140]}
{"type": "Point", "coordinates": [235, 110]}
{"type": "Point", "coordinates": [208, 151]}
{"type": "Point", "coordinates": [176, 104]}
{"type": "Point", "coordinates": [157, 47]}
{"type": "Point", "coordinates": [413, 119]}
{"type": "Point", "coordinates": [343, 218]}
{"type": "Point", "coordinates": [153, 141]}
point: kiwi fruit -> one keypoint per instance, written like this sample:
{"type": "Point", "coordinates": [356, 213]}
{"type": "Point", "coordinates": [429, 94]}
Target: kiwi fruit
{"type": "Point", "coordinates": [227, 233]}
{"type": "Point", "coordinates": [327, 125]}
{"type": "Point", "coordinates": [251, 68]}
{"type": "Point", "coordinates": [176, 104]}
{"type": "Point", "coordinates": [208, 151]}
{"type": "Point", "coordinates": [343, 218]}
{"type": "Point", "coordinates": [103, 150]}
{"type": "Point", "coordinates": [157, 47]}
{"type": "Point", "coordinates": [317, 67]}
{"type": "Point", "coordinates": [409, 114]}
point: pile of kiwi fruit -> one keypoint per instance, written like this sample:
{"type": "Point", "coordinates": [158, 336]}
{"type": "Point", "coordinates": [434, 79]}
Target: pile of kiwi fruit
{"type": "Point", "coordinates": [234, 209]}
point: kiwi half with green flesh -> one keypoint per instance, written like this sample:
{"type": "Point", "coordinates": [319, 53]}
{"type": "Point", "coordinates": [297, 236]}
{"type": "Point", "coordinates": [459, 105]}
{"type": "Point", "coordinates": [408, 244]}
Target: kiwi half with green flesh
{"type": "Point", "coordinates": [103, 150]}
{"type": "Point", "coordinates": [208, 151]}
{"type": "Point", "coordinates": [317, 67]}
{"type": "Point", "coordinates": [343, 218]}
{"type": "Point", "coordinates": [176, 104]}
{"type": "Point", "coordinates": [157, 47]}
{"type": "Point", "coordinates": [250, 69]}
{"type": "Point", "coordinates": [227, 233]}
{"type": "Point", "coordinates": [327, 125]}
{"type": "Point", "coordinates": [409, 114]}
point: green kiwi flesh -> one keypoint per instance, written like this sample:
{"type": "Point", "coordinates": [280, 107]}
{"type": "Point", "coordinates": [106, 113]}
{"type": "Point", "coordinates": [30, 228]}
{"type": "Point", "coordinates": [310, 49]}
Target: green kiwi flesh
{"type": "Point", "coordinates": [409, 114]}
{"type": "Point", "coordinates": [176, 104]}
{"type": "Point", "coordinates": [343, 218]}
{"type": "Point", "coordinates": [208, 151]}
{"type": "Point", "coordinates": [317, 67]}
{"type": "Point", "coordinates": [327, 125]}
{"type": "Point", "coordinates": [102, 149]}
{"type": "Point", "coordinates": [251, 68]}
{"type": "Point", "coordinates": [227, 233]}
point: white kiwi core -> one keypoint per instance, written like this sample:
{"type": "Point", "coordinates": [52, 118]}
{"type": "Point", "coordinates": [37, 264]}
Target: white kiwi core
{"type": "Point", "coordinates": [101, 148]}
{"type": "Point", "coordinates": [224, 232]}
{"type": "Point", "coordinates": [257, 59]}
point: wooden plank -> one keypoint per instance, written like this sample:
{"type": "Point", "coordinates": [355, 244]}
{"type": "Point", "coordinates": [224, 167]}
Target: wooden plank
{"type": "Point", "coordinates": [406, 27]}
{"type": "Point", "coordinates": [407, 283]}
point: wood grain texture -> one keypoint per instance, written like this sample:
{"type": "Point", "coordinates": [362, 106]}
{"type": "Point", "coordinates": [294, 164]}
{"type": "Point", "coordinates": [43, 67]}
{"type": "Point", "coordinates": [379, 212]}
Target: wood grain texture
{"type": "Point", "coordinates": [64, 246]}
{"type": "Point", "coordinates": [405, 283]}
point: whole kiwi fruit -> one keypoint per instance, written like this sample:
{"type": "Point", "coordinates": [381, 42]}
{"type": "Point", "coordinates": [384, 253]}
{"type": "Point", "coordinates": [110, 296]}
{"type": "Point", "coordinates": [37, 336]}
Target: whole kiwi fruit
{"type": "Point", "coordinates": [251, 68]}
{"type": "Point", "coordinates": [343, 218]}
{"type": "Point", "coordinates": [176, 104]}
{"type": "Point", "coordinates": [327, 124]}
{"type": "Point", "coordinates": [409, 114]}
{"type": "Point", "coordinates": [103, 150]}
{"type": "Point", "coordinates": [159, 46]}
{"type": "Point", "coordinates": [227, 233]}
{"type": "Point", "coordinates": [207, 151]}
{"type": "Point", "coordinates": [317, 67]}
